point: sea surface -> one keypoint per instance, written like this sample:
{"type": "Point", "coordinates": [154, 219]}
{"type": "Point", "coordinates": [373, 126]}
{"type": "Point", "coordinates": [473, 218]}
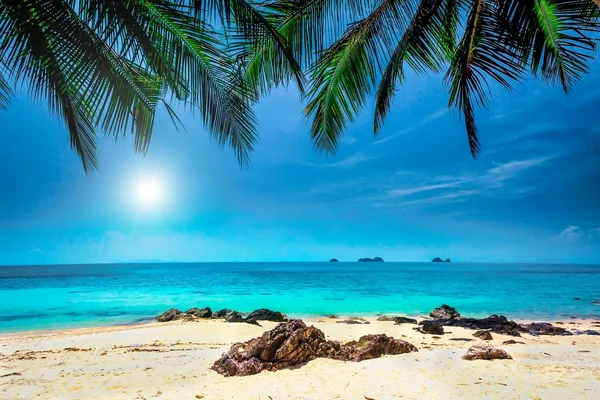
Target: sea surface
{"type": "Point", "coordinates": [69, 296]}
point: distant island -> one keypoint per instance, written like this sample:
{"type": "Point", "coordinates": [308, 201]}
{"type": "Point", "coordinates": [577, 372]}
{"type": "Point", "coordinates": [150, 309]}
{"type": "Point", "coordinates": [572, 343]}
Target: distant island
{"type": "Point", "coordinates": [376, 259]}
{"type": "Point", "coordinates": [437, 259]}
{"type": "Point", "coordinates": [334, 260]}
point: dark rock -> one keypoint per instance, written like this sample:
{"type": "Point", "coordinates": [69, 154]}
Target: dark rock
{"type": "Point", "coordinates": [486, 352]}
{"type": "Point", "coordinates": [576, 298]}
{"type": "Point", "coordinates": [332, 316]}
{"type": "Point", "coordinates": [444, 312]}
{"type": "Point", "coordinates": [493, 323]}
{"type": "Point", "coordinates": [559, 323]}
{"type": "Point", "coordinates": [385, 318]}
{"type": "Point", "coordinates": [376, 259]}
{"type": "Point", "coordinates": [461, 339]}
{"type": "Point", "coordinates": [264, 314]}
{"type": "Point", "coordinates": [437, 259]}
{"type": "Point", "coordinates": [291, 343]}
{"type": "Point", "coordinates": [483, 335]}
{"type": "Point", "coordinates": [592, 332]}
{"type": "Point", "coordinates": [511, 341]}
{"type": "Point", "coordinates": [404, 320]}
{"type": "Point", "coordinates": [222, 313]}
{"type": "Point", "coordinates": [447, 260]}
{"type": "Point", "coordinates": [349, 322]}
{"type": "Point", "coordinates": [171, 314]}
{"type": "Point", "coordinates": [195, 312]}
{"type": "Point", "coordinates": [334, 260]}
{"type": "Point", "coordinates": [596, 302]}
{"type": "Point", "coordinates": [545, 328]}
{"type": "Point", "coordinates": [236, 317]}
{"type": "Point", "coordinates": [432, 328]}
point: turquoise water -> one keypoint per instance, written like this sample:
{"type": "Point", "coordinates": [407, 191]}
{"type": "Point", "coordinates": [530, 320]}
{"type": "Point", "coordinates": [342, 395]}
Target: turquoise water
{"type": "Point", "coordinates": [60, 296]}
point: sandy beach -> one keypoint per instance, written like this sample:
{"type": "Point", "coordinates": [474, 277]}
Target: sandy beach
{"type": "Point", "coordinates": [172, 361]}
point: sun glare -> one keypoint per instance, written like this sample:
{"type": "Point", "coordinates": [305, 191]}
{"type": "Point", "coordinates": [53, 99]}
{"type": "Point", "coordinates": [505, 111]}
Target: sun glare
{"type": "Point", "coordinates": [149, 192]}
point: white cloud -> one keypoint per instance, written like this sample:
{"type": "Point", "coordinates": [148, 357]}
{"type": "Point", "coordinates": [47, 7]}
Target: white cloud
{"type": "Point", "coordinates": [572, 233]}
{"type": "Point", "coordinates": [431, 117]}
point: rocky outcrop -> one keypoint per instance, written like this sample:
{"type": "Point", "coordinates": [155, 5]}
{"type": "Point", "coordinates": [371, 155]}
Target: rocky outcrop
{"type": "Point", "coordinates": [171, 314]}
{"type": "Point", "coordinates": [486, 352]}
{"type": "Point", "coordinates": [264, 314]}
{"type": "Point", "coordinates": [493, 323]}
{"type": "Point", "coordinates": [376, 259]}
{"type": "Point", "coordinates": [545, 328]}
{"type": "Point", "coordinates": [222, 313]}
{"type": "Point", "coordinates": [334, 260]}
{"type": "Point", "coordinates": [397, 320]}
{"type": "Point", "coordinates": [353, 322]}
{"type": "Point", "coordinates": [291, 343]}
{"type": "Point", "coordinates": [444, 312]}
{"type": "Point", "coordinates": [196, 312]}
{"type": "Point", "coordinates": [437, 259]}
{"type": "Point", "coordinates": [431, 327]}
{"type": "Point", "coordinates": [483, 335]}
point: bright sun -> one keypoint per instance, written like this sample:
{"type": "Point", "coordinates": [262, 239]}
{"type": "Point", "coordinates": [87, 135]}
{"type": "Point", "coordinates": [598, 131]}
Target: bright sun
{"type": "Point", "coordinates": [149, 192]}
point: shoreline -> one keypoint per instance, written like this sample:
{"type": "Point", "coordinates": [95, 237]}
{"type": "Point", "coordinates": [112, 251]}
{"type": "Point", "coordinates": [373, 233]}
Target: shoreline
{"type": "Point", "coordinates": [309, 318]}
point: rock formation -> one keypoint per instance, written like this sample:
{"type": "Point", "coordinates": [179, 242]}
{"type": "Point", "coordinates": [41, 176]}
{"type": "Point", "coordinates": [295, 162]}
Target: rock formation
{"type": "Point", "coordinates": [171, 314]}
{"type": "Point", "coordinates": [437, 259]}
{"type": "Point", "coordinates": [486, 352]}
{"type": "Point", "coordinates": [264, 314]}
{"type": "Point", "coordinates": [334, 260]}
{"type": "Point", "coordinates": [444, 312]}
{"type": "Point", "coordinates": [483, 335]}
{"type": "Point", "coordinates": [397, 320]}
{"type": "Point", "coordinates": [376, 259]}
{"type": "Point", "coordinates": [291, 343]}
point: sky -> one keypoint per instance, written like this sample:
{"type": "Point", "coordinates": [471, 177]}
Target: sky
{"type": "Point", "coordinates": [410, 194]}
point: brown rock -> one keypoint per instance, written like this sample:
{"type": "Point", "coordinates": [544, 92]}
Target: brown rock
{"type": "Point", "coordinates": [432, 328]}
{"type": "Point", "coordinates": [486, 352]}
{"type": "Point", "coordinates": [444, 312]}
{"type": "Point", "coordinates": [291, 343]}
{"type": "Point", "coordinates": [483, 335]}
{"type": "Point", "coordinates": [511, 341]}
{"type": "Point", "coordinates": [171, 314]}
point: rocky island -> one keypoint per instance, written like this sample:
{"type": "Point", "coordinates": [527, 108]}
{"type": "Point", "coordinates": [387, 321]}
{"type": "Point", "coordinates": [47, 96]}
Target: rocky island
{"type": "Point", "coordinates": [437, 259]}
{"type": "Point", "coordinates": [376, 259]}
{"type": "Point", "coordinates": [334, 260]}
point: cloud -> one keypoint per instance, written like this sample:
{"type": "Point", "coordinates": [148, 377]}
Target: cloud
{"type": "Point", "coordinates": [572, 233]}
{"type": "Point", "coordinates": [431, 117]}
{"type": "Point", "coordinates": [36, 250]}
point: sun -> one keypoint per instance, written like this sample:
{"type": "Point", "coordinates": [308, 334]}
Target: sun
{"type": "Point", "coordinates": [149, 192]}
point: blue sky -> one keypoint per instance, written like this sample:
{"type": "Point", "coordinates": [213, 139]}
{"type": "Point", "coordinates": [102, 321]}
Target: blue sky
{"type": "Point", "coordinates": [411, 194]}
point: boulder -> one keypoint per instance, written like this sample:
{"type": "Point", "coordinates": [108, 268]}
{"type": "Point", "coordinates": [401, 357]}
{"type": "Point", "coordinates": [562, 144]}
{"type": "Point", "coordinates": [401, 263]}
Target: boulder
{"type": "Point", "coordinates": [432, 328]}
{"type": "Point", "coordinates": [493, 323]}
{"type": "Point", "coordinates": [397, 320]}
{"type": "Point", "coordinates": [545, 328]}
{"type": "Point", "coordinates": [447, 260]}
{"type": "Point", "coordinates": [444, 312]}
{"type": "Point", "coordinates": [353, 322]}
{"type": "Point", "coordinates": [171, 314]}
{"type": "Point", "coordinates": [292, 342]}
{"type": "Point", "coordinates": [195, 312]}
{"type": "Point", "coordinates": [222, 313]}
{"type": "Point", "coordinates": [334, 260]}
{"type": "Point", "coordinates": [486, 352]}
{"type": "Point", "coordinates": [483, 335]}
{"type": "Point", "coordinates": [512, 341]}
{"type": "Point", "coordinates": [264, 314]}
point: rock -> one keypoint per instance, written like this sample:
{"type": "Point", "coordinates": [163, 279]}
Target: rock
{"type": "Point", "coordinates": [236, 317]}
{"type": "Point", "coordinates": [596, 302]}
{"type": "Point", "coordinates": [195, 312]}
{"type": "Point", "coordinates": [576, 298]}
{"type": "Point", "coordinates": [483, 335]}
{"type": "Point", "coordinates": [222, 313]}
{"type": "Point", "coordinates": [559, 323]}
{"type": "Point", "coordinates": [334, 260]}
{"type": "Point", "coordinates": [511, 341]}
{"type": "Point", "coordinates": [460, 339]}
{"type": "Point", "coordinates": [373, 346]}
{"type": "Point", "coordinates": [171, 314]}
{"type": "Point", "coordinates": [404, 320]}
{"type": "Point", "coordinates": [264, 314]}
{"type": "Point", "coordinates": [432, 328]}
{"type": "Point", "coordinates": [292, 342]}
{"type": "Point", "coordinates": [444, 312]}
{"type": "Point", "coordinates": [545, 328]}
{"type": "Point", "coordinates": [493, 323]}
{"type": "Point", "coordinates": [353, 322]}
{"type": "Point", "coordinates": [376, 259]}
{"type": "Point", "coordinates": [447, 260]}
{"type": "Point", "coordinates": [332, 316]}
{"type": "Point", "coordinates": [486, 352]}
{"type": "Point", "coordinates": [437, 259]}
{"type": "Point", "coordinates": [592, 332]}
{"type": "Point", "coordinates": [397, 320]}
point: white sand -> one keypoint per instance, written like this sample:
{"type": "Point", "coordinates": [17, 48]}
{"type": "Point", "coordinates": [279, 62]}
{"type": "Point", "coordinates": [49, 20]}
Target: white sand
{"type": "Point", "coordinates": [172, 361]}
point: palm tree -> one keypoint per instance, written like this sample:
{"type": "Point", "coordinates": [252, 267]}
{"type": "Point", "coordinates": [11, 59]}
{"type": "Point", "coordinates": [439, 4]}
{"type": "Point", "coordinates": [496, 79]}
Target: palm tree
{"type": "Point", "coordinates": [474, 41]}
{"type": "Point", "coordinates": [105, 66]}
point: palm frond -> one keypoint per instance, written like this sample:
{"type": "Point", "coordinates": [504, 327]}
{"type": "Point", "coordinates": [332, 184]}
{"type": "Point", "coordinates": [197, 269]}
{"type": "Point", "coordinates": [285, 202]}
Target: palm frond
{"type": "Point", "coordinates": [346, 72]}
{"type": "Point", "coordinates": [480, 54]}
{"type": "Point", "coordinates": [423, 46]}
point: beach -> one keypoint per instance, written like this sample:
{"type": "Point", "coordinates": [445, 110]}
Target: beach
{"type": "Point", "coordinates": [172, 361]}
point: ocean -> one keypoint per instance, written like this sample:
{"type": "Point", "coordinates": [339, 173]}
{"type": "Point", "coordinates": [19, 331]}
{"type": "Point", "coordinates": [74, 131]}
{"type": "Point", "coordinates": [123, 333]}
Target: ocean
{"type": "Point", "coordinates": [71, 296]}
